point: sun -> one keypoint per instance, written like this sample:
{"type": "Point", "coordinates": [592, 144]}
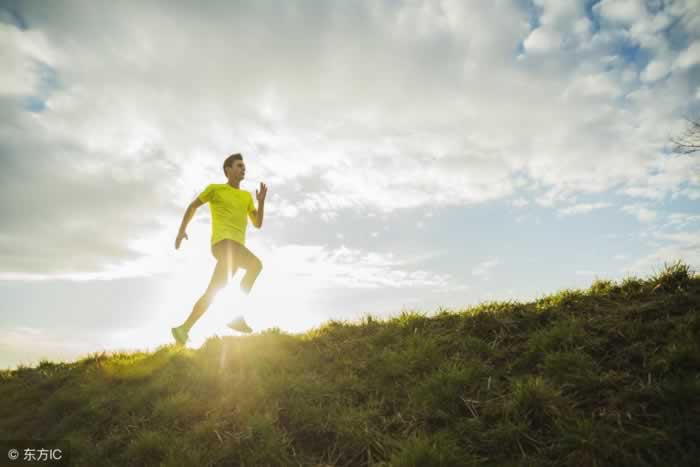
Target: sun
{"type": "Point", "coordinates": [278, 300]}
{"type": "Point", "coordinates": [281, 297]}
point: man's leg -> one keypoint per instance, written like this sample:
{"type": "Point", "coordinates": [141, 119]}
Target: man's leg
{"type": "Point", "coordinates": [218, 281]}
{"type": "Point", "coordinates": [252, 265]}
{"type": "Point", "coordinates": [245, 259]}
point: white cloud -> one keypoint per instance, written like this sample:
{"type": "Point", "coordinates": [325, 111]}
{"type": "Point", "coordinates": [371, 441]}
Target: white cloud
{"type": "Point", "coordinates": [20, 54]}
{"type": "Point", "coordinates": [563, 24]}
{"type": "Point", "coordinates": [684, 246]}
{"type": "Point", "coordinates": [483, 269]}
{"type": "Point", "coordinates": [667, 175]}
{"type": "Point", "coordinates": [593, 85]}
{"type": "Point", "coordinates": [623, 11]}
{"type": "Point", "coordinates": [681, 219]}
{"type": "Point", "coordinates": [320, 267]}
{"type": "Point", "coordinates": [589, 273]}
{"type": "Point", "coordinates": [552, 196]}
{"type": "Point", "coordinates": [520, 202]}
{"type": "Point", "coordinates": [686, 238]}
{"type": "Point", "coordinates": [628, 75]}
{"type": "Point", "coordinates": [655, 70]}
{"type": "Point", "coordinates": [689, 57]}
{"type": "Point", "coordinates": [396, 106]}
{"type": "Point", "coordinates": [542, 39]}
{"type": "Point", "coordinates": [641, 25]}
{"type": "Point", "coordinates": [287, 210]}
{"type": "Point", "coordinates": [642, 213]}
{"type": "Point", "coordinates": [690, 193]}
{"type": "Point", "coordinates": [583, 208]}
{"type": "Point", "coordinates": [328, 216]}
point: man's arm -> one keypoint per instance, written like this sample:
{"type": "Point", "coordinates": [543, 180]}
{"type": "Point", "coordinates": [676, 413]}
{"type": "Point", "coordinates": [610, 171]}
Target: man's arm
{"type": "Point", "coordinates": [189, 213]}
{"type": "Point", "coordinates": [257, 215]}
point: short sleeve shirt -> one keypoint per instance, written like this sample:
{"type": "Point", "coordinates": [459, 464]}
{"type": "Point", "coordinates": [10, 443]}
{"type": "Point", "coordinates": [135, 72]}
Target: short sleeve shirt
{"type": "Point", "coordinates": [230, 208]}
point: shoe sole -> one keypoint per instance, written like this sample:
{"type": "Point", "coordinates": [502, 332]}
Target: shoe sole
{"type": "Point", "coordinates": [245, 331]}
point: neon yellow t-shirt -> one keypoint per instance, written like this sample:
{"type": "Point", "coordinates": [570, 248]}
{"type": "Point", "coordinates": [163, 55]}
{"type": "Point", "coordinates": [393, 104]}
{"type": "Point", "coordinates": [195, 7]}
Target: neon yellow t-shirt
{"type": "Point", "coordinates": [229, 211]}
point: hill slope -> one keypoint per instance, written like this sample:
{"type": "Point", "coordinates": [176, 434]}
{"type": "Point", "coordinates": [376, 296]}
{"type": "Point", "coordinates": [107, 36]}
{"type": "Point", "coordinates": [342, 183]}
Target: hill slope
{"type": "Point", "coordinates": [604, 376]}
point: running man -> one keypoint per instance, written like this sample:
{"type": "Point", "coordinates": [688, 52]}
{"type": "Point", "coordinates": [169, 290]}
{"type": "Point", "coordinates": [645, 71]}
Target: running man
{"type": "Point", "coordinates": [230, 208]}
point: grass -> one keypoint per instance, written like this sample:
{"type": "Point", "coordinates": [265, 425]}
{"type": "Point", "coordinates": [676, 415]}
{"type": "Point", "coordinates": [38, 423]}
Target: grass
{"type": "Point", "coordinates": [607, 376]}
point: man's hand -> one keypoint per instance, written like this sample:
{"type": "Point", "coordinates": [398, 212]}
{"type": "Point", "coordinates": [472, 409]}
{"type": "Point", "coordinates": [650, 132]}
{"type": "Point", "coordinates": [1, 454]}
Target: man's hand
{"type": "Point", "coordinates": [260, 195]}
{"type": "Point", "coordinates": [178, 240]}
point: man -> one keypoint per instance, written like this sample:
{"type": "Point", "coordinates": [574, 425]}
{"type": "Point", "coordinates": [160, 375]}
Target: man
{"type": "Point", "coordinates": [230, 208]}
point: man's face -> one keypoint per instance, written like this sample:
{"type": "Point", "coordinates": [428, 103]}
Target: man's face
{"type": "Point", "coordinates": [237, 170]}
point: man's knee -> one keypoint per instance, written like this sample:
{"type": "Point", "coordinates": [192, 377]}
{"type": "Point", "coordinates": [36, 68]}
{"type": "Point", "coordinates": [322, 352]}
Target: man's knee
{"type": "Point", "coordinates": [253, 265]}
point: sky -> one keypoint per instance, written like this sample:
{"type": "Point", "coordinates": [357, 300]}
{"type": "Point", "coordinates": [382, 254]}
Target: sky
{"type": "Point", "coordinates": [419, 156]}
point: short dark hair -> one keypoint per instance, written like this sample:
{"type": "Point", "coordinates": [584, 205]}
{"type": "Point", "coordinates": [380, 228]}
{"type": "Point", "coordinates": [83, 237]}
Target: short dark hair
{"type": "Point", "coordinates": [229, 160]}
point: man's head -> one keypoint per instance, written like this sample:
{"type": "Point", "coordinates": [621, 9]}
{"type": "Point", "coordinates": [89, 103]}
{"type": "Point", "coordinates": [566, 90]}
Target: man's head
{"type": "Point", "coordinates": [234, 167]}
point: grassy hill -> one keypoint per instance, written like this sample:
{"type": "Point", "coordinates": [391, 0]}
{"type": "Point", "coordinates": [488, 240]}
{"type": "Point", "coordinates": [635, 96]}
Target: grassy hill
{"type": "Point", "coordinates": [599, 377]}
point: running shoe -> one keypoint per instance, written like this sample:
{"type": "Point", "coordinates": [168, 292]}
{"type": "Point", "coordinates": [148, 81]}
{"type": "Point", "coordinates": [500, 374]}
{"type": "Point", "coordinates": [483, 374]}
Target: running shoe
{"type": "Point", "coordinates": [180, 335]}
{"type": "Point", "coordinates": [240, 325]}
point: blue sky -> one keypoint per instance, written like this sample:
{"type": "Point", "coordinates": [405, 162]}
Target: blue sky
{"type": "Point", "coordinates": [419, 155]}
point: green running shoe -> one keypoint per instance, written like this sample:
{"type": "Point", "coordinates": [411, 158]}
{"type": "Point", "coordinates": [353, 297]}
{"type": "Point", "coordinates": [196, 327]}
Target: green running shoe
{"type": "Point", "coordinates": [180, 335]}
{"type": "Point", "coordinates": [240, 325]}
